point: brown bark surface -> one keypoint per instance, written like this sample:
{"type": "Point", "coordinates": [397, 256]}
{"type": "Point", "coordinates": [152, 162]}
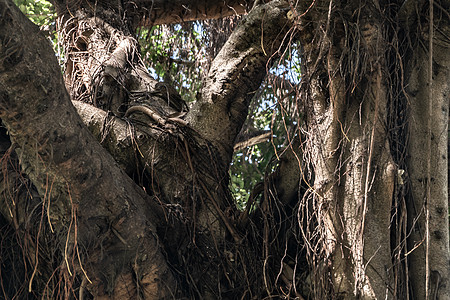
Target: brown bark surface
{"type": "Point", "coordinates": [425, 126]}
{"type": "Point", "coordinates": [155, 12]}
{"type": "Point", "coordinates": [348, 146]}
{"type": "Point", "coordinates": [98, 203]}
{"type": "Point", "coordinates": [94, 204]}
{"type": "Point", "coordinates": [177, 11]}
{"type": "Point", "coordinates": [116, 189]}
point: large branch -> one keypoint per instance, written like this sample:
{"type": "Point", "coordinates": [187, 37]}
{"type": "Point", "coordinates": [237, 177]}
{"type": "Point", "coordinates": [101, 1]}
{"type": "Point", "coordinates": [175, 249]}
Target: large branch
{"type": "Point", "coordinates": [134, 145]}
{"type": "Point", "coordinates": [155, 12]}
{"type": "Point", "coordinates": [54, 146]}
{"type": "Point", "coordinates": [177, 11]}
{"type": "Point", "coordinates": [236, 73]}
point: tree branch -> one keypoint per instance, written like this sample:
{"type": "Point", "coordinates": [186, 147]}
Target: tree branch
{"type": "Point", "coordinates": [155, 12]}
{"type": "Point", "coordinates": [236, 73]}
{"type": "Point", "coordinates": [133, 145]}
{"type": "Point", "coordinates": [178, 11]}
{"type": "Point", "coordinates": [252, 140]}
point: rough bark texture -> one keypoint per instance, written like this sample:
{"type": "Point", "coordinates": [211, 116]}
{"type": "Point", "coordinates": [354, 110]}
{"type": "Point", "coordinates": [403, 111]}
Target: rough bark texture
{"type": "Point", "coordinates": [236, 74]}
{"type": "Point", "coordinates": [104, 69]}
{"type": "Point", "coordinates": [140, 207]}
{"type": "Point", "coordinates": [155, 12]}
{"type": "Point", "coordinates": [354, 174]}
{"type": "Point", "coordinates": [419, 98]}
{"type": "Point", "coordinates": [118, 226]}
{"type": "Point", "coordinates": [177, 11]}
{"type": "Point", "coordinates": [89, 194]}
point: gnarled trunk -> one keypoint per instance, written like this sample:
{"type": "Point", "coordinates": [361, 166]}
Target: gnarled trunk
{"type": "Point", "coordinates": [116, 188]}
{"type": "Point", "coordinates": [119, 240]}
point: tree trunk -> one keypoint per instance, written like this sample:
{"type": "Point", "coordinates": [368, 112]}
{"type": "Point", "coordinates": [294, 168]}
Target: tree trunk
{"type": "Point", "coordinates": [116, 189]}
{"type": "Point", "coordinates": [354, 174]}
{"type": "Point", "coordinates": [94, 205]}
{"type": "Point", "coordinates": [75, 174]}
{"type": "Point", "coordinates": [429, 242]}
{"type": "Point", "coordinates": [346, 84]}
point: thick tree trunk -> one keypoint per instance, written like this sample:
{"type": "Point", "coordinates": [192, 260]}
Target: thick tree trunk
{"type": "Point", "coordinates": [429, 242]}
{"type": "Point", "coordinates": [93, 202]}
{"type": "Point", "coordinates": [118, 226]}
{"type": "Point", "coordinates": [175, 231]}
{"type": "Point", "coordinates": [348, 146]}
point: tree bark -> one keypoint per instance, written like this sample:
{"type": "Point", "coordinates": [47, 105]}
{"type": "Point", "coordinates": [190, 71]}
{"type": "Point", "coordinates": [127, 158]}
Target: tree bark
{"type": "Point", "coordinates": [174, 231]}
{"type": "Point", "coordinates": [429, 126]}
{"type": "Point", "coordinates": [349, 151]}
{"type": "Point", "coordinates": [235, 75]}
{"type": "Point", "coordinates": [52, 143]}
{"type": "Point", "coordinates": [106, 214]}
{"type": "Point", "coordinates": [178, 11]}
{"type": "Point", "coordinates": [156, 12]}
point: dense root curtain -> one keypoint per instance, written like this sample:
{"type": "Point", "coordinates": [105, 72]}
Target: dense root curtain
{"type": "Point", "coordinates": [356, 107]}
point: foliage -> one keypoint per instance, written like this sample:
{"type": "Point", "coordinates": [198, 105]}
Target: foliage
{"type": "Point", "coordinates": [39, 11]}
{"type": "Point", "coordinates": [173, 54]}
{"type": "Point", "coordinates": [268, 113]}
